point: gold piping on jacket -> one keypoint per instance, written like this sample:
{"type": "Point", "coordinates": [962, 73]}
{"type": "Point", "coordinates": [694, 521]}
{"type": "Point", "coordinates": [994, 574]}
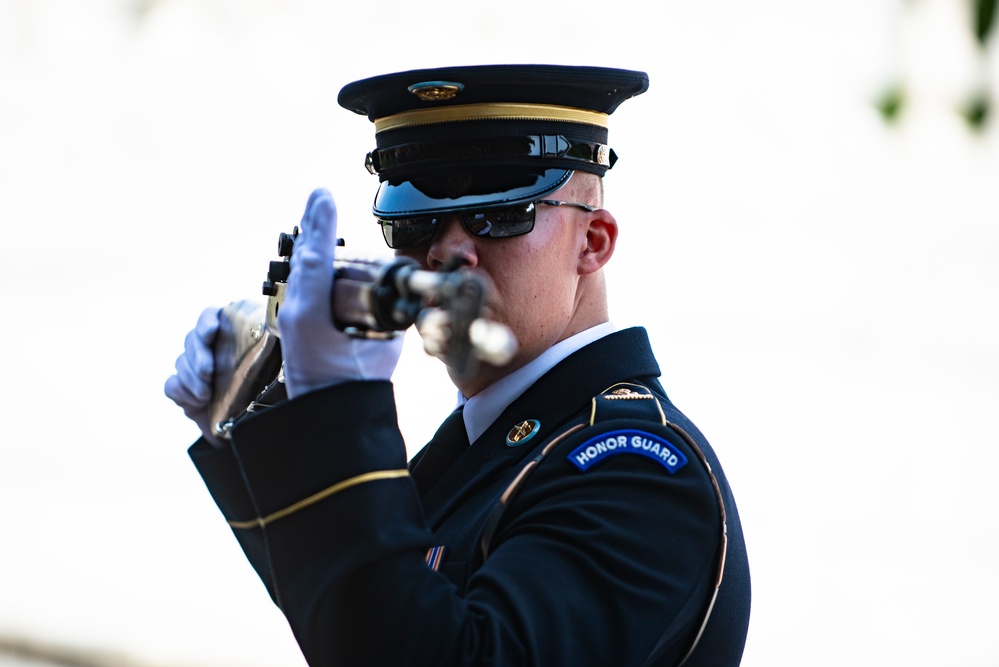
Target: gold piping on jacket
{"type": "Point", "coordinates": [532, 464]}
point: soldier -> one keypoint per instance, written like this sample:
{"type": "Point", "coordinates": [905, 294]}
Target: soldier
{"type": "Point", "coordinates": [566, 513]}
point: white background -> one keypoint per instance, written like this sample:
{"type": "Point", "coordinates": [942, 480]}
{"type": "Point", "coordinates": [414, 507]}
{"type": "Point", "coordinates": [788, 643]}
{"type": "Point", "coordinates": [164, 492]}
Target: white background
{"type": "Point", "coordinates": [820, 289]}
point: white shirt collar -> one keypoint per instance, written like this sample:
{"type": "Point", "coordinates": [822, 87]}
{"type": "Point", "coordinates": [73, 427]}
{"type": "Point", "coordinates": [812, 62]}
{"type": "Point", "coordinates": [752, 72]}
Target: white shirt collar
{"type": "Point", "coordinates": [483, 409]}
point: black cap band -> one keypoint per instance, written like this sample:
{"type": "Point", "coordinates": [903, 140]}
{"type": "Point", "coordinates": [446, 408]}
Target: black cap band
{"type": "Point", "coordinates": [555, 150]}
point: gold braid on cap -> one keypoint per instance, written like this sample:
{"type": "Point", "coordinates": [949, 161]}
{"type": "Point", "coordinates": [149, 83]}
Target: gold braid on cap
{"type": "Point", "coordinates": [498, 111]}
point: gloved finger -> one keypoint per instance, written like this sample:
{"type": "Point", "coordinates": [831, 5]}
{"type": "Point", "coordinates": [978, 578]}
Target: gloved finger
{"type": "Point", "coordinates": [199, 343]}
{"type": "Point", "coordinates": [313, 196]}
{"type": "Point", "coordinates": [194, 407]}
{"type": "Point", "coordinates": [208, 324]}
{"type": "Point", "coordinates": [311, 279]}
{"type": "Point", "coordinates": [179, 393]}
{"type": "Point", "coordinates": [375, 359]}
{"type": "Point", "coordinates": [191, 385]}
{"type": "Point", "coordinates": [196, 380]}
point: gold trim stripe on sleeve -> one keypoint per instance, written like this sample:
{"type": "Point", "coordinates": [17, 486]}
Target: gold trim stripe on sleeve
{"type": "Point", "coordinates": [497, 111]}
{"type": "Point", "coordinates": [260, 522]}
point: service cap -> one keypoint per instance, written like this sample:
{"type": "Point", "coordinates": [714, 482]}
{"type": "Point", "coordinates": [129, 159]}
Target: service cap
{"type": "Point", "coordinates": [459, 138]}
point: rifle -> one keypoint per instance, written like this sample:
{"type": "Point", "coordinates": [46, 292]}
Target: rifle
{"type": "Point", "coordinates": [371, 298]}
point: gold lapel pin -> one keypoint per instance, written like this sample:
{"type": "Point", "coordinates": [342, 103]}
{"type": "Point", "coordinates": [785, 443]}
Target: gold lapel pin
{"type": "Point", "coordinates": [522, 432]}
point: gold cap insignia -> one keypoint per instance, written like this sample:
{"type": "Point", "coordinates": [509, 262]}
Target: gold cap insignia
{"type": "Point", "coordinates": [436, 91]}
{"type": "Point", "coordinates": [522, 432]}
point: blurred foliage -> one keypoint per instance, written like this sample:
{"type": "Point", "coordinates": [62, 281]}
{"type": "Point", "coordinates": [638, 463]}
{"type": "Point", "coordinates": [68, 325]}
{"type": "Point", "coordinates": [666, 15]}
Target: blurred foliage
{"type": "Point", "coordinates": [141, 9]}
{"type": "Point", "coordinates": [890, 102]}
{"type": "Point", "coordinates": [976, 110]}
{"type": "Point", "coordinates": [977, 107]}
{"type": "Point", "coordinates": [984, 17]}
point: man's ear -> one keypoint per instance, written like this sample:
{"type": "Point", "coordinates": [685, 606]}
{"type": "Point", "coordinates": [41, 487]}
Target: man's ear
{"type": "Point", "coordinates": [601, 238]}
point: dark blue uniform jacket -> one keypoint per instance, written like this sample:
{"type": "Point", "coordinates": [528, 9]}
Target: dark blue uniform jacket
{"type": "Point", "coordinates": [599, 538]}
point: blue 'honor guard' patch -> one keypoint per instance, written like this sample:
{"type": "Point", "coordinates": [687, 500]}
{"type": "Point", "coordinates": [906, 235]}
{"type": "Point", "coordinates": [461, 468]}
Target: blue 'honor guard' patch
{"type": "Point", "coordinates": [652, 446]}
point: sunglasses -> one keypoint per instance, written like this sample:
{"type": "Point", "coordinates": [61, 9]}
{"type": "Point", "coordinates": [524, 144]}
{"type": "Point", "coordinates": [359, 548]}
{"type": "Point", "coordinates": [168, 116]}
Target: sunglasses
{"type": "Point", "coordinates": [494, 223]}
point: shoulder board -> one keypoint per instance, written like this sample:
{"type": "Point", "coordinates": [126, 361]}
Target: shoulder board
{"type": "Point", "coordinates": [636, 404]}
{"type": "Point", "coordinates": [626, 400]}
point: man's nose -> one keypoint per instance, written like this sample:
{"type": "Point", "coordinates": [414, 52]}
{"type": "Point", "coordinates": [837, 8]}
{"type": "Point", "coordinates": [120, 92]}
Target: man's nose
{"type": "Point", "coordinates": [452, 243]}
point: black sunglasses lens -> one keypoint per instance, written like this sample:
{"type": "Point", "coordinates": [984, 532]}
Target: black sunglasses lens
{"type": "Point", "coordinates": [500, 222]}
{"type": "Point", "coordinates": [495, 223]}
{"type": "Point", "coordinates": [408, 232]}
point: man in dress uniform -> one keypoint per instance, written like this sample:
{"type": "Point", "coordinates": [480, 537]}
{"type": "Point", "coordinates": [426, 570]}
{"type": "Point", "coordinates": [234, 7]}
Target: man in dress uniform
{"type": "Point", "coordinates": [566, 514]}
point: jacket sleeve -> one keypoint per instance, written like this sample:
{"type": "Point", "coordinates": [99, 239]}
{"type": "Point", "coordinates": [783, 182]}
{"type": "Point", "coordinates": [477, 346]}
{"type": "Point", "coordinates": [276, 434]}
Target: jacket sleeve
{"type": "Point", "coordinates": [585, 568]}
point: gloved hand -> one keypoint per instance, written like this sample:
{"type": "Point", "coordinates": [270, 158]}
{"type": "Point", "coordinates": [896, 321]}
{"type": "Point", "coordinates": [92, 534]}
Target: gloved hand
{"type": "Point", "coordinates": [191, 387]}
{"type": "Point", "coordinates": [316, 354]}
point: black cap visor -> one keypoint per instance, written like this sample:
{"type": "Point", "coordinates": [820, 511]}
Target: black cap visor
{"type": "Point", "coordinates": [457, 190]}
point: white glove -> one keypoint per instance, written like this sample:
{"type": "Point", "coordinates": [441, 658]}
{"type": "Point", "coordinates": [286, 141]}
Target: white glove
{"type": "Point", "coordinates": [191, 387]}
{"type": "Point", "coordinates": [316, 354]}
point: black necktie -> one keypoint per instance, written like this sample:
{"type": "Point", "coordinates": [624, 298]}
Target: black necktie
{"type": "Point", "coordinates": [449, 442]}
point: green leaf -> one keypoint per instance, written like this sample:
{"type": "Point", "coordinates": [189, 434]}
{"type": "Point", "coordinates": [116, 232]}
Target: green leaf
{"type": "Point", "coordinates": [985, 12]}
{"type": "Point", "coordinates": [890, 103]}
{"type": "Point", "coordinates": [976, 111]}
